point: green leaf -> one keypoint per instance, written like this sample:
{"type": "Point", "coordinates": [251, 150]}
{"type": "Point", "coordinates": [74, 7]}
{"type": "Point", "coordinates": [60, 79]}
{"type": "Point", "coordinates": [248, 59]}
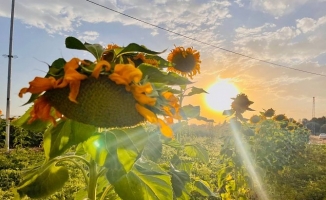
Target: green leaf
{"type": "Point", "coordinates": [197, 151]}
{"type": "Point", "coordinates": [153, 148]}
{"type": "Point", "coordinates": [74, 43]}
{"type": "Point", "coordinates": [56, 139]}
{"type": "Point", "coordinates": [191, 111]}
{"type": "Point", "coordinates": [95, 146]}
{"type": "Point", "coordinates": [37, 125]}
{"type": "Point", "coordinates": [195, 90]}
{"type": "Point", "coordinates": [59, 138]}
{"type": "Point", "coordinates": [162, 63]}
{"type": "Point", "coordinates": [124, 148]}
{"type": "Point", "coordinates": [179, 180]}
{"type": "Point", "coordinates": [32, 98]}
{"type": "Point", "coordinates": [57, 68]}
{"type": "Point", "coordinates": [184, 165]}
{"type": "Point", "coordinates": [146, 181]}
{"type": "Point", "coordinates": [173, 143]}
{"type": "Point", "coordinates": [133, 47]}
{"type": "Point", "coordinates": [155, 75]}
{"type": "Point", "coordinates": [203, 188]}
{"type": "Point", "coordinates": [95, 49]}
{"type": "Point", "coordinates": [41, 184]}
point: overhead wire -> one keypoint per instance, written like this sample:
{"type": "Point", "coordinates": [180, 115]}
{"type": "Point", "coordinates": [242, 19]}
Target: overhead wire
{"type": "Point", "coordinates": [206, 43]}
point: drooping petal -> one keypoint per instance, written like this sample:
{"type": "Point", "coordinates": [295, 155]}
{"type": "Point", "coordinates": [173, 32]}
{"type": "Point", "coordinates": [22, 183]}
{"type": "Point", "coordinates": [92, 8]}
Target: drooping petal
{"type": "Point", "coordinates": [38, 85]}
{"type": "Point", "coordinates": [42, 111]}
{"type": "Point", "coordinates": [74, 90]}
{"type": "Point", "coordinates": [98, 67]}
{"type": "Point", "coordinates": [146, 113]}
{"type": "Point", "coordinates": [72, 78]}
{"type": "Point", "coordinates": [165, 129]}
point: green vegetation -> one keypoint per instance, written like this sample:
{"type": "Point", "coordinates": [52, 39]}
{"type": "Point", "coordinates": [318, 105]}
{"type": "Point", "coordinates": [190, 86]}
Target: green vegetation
{"type": "Point", "coordinates": [299, 175]}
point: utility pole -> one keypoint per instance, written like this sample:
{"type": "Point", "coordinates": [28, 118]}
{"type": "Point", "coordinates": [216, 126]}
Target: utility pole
{"type": "Point", "coordinates": [10, 56]}
{"type": "Point", "coordinates": [313, 115]}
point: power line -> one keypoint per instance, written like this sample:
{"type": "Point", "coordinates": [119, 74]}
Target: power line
{"type": "Point", "coordinates": [212, 45]}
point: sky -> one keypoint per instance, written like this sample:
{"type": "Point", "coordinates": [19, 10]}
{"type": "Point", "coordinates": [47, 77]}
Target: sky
{"type": "Point", "coordinates": [287, 32]}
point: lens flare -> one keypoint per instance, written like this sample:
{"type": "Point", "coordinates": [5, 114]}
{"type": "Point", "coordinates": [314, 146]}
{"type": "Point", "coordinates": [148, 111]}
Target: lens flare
{"type": "Point", "coordinates": [248, 161]}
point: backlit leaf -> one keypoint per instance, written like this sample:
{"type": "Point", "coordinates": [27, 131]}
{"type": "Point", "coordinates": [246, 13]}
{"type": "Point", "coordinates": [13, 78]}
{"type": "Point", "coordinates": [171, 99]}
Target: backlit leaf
{"type": "Point", "coordinates": [124, 147]}
{"type": "Point", "coordinates": [153, 148]}
{"type": "Point", "coordinates": [195, 90]}
{"type": "Point", "coordinates": [197, 151]}
{"type": "Point", "coordinates": [41, 184]}
{"type": "Point", "coordinates": [37, 125]}
{"type": "Point", "coordinates": [191, 111]}
{"type": "Point", "coordinates": [155, 75]}
{"type": "Point", "coordinates": [133, 47]}
{"type": "Point", "coordinates": [203, 188]}
{"type": "Point", "coordinates": [146, 181]}
{"type": "Point", "coordinates": [179, 181]}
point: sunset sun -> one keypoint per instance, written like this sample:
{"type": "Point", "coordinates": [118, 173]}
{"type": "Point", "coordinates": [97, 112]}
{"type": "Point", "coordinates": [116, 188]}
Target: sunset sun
{"type": "Point", "coordinates": [220, 94]}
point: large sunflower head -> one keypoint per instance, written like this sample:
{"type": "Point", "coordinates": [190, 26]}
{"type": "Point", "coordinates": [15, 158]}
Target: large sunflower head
{"type": "Point", "coordinates": [185, 61]}
{"type": "Point", "coordinates": [112, 91]}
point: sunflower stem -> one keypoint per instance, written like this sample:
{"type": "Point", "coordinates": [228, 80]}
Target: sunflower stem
{"type": "Point", "coordinates": [92, 180]}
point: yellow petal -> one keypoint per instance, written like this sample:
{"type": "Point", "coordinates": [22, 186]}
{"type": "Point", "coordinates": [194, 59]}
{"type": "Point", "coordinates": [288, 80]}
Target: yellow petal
{"type": "Point", "coordinates": [97, 70]}
{"type": "Point", "coordinates": [38, 85]}
{"type": "Point", "coordinates": [146, 113]}
{"type": "Point", "coordinates": [165, 129]}
{"type": "Point", "coordinates": [74, 90]}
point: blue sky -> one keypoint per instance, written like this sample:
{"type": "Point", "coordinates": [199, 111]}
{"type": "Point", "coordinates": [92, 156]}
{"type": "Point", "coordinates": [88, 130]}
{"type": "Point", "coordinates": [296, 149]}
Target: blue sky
{"type": "Point", "coordinates": [287, 32]}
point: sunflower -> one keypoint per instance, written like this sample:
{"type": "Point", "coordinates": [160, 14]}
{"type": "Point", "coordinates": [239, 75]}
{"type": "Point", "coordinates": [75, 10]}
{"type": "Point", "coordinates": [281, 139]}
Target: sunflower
{"type": "Point", "coordinates": [185, 61]}
{"type": "Point", "coordinates": [100, 93]}
{"type": "Point", "coordinates": [241, 103]}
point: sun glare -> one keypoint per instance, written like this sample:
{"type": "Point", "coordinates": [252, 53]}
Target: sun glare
{"type": "Point", "coordinates": [220, 94]}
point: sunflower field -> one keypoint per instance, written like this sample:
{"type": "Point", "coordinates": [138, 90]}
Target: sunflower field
{"type": "Point", "coordinates": [116, 128]}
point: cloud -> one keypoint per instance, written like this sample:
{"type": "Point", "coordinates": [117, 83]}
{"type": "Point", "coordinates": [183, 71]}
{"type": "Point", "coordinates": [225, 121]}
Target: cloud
{"type": "Point", "coordinates": [284, 45]}
{"type": "Point", "coordinates": [89, 36]}
{"type": "Point", "coordinates": [64, 17]}
{"type": "Point", "coordinates": [240, 4]}
{"type": "Point", "coordinates": [278, 8]}
{"type": "Point", "coordinates": [309, 24]}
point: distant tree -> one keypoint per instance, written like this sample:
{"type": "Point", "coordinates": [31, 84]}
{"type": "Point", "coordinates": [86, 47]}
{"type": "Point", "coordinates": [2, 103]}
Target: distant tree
{"type": "Point", "coordinates": [313, 127]}
{"type": "Point", "coordinates": [304, 121]}
{"type": "Point", "coordinates": [323, 129]}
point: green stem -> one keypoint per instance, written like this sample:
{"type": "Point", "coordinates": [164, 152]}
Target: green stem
{"type": "Point", "coordinates": [92, 180]}
{"type": "Point", "coordinates": [106, 191]}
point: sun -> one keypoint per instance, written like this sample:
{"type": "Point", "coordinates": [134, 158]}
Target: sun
{"type": "Point", "coordinates": [220, 94]}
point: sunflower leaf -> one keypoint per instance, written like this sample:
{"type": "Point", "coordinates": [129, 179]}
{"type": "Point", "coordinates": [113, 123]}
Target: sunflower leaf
{"type": "Point", "coordinates": [59, 138]}
{"type": "Point", "coordinates": [179, 180]}
{"type": "Point", "coordinates": [197, 151]}
{"type": "Point", "coordinates": [95, 49]}
{"type": "Point", "coordinates": [146, 180]}
{"type": "Point", "coordinates": [124, 147]}
{"type": "Point", "coordinates": [36, 125]}
{"type": "Point", "coordinates": [203, 188]}
{"type": "Point", "coordinates": [43, 182]}
{"type": "Point", "coordinates": [196, 90]}
{"type": "Point", "coordinates": [133, 47]}
{"type": "Point", "coordinates": [190, 111]}
{"type": "Point", "coordinates": [153, 148]}
{"type": "Point", "coordinates": [155, 75]}
{"type": "Point", "coordinates": [74, 43]}
{"type": "Point", "coordinates": [32, 98]}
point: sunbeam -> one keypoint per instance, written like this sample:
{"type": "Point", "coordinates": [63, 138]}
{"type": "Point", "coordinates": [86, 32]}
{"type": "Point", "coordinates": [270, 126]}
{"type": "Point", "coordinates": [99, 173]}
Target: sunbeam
{"type": "Point", "coordinates": [243, 150]}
